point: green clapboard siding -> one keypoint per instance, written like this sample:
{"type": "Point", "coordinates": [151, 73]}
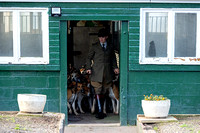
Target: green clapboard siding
{"type": "Point", "coordinates": [31, 82]}
{"type": "Point", "coordinates": [177, 82]}
{"type": "Point", "coordinates": [182, 88]}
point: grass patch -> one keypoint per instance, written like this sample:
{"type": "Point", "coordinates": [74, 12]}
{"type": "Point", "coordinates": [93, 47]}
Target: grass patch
{"type": "Point", "coordinates": [19, 127]}
{"type": "Point", "coordinates": [187, 127]}
{"type": "Point", "coordinates": [7, 118]}
{"type": "Point", "coordinates": [155, 128]}
{"type": "Point", "coordinates": [184, 125]}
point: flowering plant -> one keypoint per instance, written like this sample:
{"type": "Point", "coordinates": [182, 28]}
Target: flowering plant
{"type": "Point", "coordinates": [154, 97]}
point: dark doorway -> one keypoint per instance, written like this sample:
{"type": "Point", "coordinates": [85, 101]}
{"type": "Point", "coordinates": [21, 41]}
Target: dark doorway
{"type": "Point", "coordinates": [80, 36]}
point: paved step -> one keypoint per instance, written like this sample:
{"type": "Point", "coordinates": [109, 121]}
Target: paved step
{"type": "Point", "coordinates": [90, 128]}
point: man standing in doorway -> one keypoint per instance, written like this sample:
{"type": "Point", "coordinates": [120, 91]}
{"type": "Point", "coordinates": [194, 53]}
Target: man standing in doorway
{"type": "Point", "coordinates": [101, 63]}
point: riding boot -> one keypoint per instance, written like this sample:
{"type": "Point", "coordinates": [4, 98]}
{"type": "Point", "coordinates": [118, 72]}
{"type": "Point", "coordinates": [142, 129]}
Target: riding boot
{"type": "Point", "coordinates": [100, 103]}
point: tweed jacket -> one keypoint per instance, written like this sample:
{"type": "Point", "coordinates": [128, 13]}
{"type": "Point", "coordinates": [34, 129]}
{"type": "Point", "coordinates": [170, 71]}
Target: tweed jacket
{"type": "Point", "coordinates": [104, 62]}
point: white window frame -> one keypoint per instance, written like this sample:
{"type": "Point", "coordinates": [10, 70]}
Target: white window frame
{"type": "Point", "coordinates": [170, 59]}
{"type": "Point", "coordinates": [16, 59]}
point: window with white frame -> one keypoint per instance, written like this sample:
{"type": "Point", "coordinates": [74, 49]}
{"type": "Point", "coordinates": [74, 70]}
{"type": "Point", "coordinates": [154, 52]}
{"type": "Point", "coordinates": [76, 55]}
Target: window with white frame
{"type": "Point", "coordinates": [170, 36]}
{"type": "Point", "coordinates": [24, 36]}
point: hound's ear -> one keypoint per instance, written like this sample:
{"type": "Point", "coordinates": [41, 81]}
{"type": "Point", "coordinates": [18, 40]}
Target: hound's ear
{"type": "Point", "coordinates": [73, 82]}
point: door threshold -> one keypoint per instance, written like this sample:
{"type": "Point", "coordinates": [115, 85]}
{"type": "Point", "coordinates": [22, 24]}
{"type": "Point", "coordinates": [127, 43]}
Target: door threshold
{"type": "Point", "coordinates": [95, 125]}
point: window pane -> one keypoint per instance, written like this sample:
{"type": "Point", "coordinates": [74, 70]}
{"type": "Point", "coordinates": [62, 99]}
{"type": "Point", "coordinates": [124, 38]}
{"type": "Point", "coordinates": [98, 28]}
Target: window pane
{"type": "Point", "coordinates": [31, 34]}
{"type": "Point", "coordinates": [156, 35]}
{"type": "Point", "coordinates": [6, 34]}
{"type": "Point", "coordinates": [185, 34]}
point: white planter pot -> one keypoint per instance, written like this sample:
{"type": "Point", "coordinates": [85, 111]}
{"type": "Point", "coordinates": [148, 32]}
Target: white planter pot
{"type": "Point", "coordinates": [156, 108]}
{"type": "Point", "coordinates": [32, 103]}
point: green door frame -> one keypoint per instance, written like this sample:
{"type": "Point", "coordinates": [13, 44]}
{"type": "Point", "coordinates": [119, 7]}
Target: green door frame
{"type": "Point", "coordinates": [123, 70]}
{"type": "Point", "coordinates": [63, 69]}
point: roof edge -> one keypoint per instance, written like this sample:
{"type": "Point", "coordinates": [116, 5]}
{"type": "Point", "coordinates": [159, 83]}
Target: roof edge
{"type": "Point", "coordinates": [82, 1]}
{"type": "Point", "coordinates": [175, 1]}
{"type": "Point", "coordinates": [107, 1]}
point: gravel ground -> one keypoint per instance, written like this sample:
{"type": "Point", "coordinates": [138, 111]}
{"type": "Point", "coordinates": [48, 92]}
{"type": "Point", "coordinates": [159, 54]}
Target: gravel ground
{"type": "Point", "coordinates": [185, 124]}
{"type": "Point", "coordinates": [10, 122]}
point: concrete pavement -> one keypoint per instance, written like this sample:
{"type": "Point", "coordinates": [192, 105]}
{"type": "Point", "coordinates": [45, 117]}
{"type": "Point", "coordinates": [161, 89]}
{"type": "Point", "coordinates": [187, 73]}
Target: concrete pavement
{"type": "Point", "coordinates": [91, 128]}
{"type": "Point", "coordinates": [87, 123]}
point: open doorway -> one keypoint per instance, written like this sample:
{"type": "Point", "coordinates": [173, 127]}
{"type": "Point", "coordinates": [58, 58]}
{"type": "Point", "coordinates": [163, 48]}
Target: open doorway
{"type": "Point", "coordinates": [80, 36]}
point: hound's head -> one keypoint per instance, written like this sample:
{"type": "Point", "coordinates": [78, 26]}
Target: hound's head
{"type": "Point", "coordinates": [83, 71]}
{"type": "Point", "coordinates": [79, 86]}
{"type": "Point", "coordinates": [86, 90]}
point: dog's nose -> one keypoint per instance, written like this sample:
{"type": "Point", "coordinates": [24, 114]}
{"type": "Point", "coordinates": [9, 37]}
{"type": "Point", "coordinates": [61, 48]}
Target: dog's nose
{"type": "Point", "coordinates": [82, 90]}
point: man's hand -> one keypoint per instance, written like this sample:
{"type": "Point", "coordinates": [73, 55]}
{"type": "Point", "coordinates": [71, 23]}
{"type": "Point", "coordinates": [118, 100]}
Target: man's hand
{"type": "Point", "coordinates": [89, 71]}
{"type": "Point", "coordinates": [116, 70]}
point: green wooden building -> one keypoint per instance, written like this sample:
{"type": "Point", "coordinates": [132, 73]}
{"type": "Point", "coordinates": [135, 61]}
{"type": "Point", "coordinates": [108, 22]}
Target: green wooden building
{"type": "Point", "coordinates": [158, 42]}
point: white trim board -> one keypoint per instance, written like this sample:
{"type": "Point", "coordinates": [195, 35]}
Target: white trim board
{"type": "Point", "coordinates": [81, 1]}
{"type": "Point", "coordinates": [108, 1]}
{"type": "Point", "coordinates": [175, 1]}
